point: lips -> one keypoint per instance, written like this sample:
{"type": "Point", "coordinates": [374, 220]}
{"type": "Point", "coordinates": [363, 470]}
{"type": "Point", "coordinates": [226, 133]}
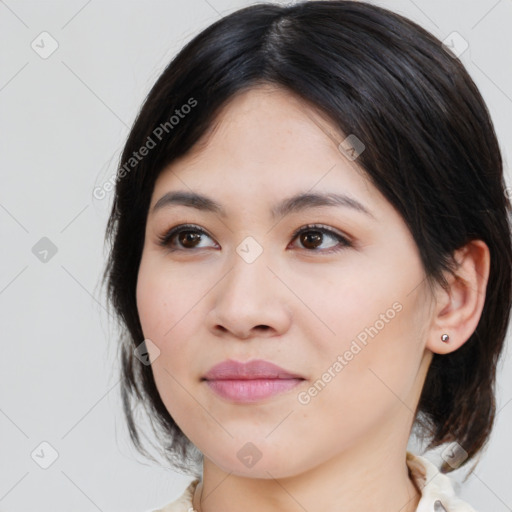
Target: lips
{"type": "Point", "coordinates": [256, 369]}
{"type": "Point", "coordinates": [250, 382]}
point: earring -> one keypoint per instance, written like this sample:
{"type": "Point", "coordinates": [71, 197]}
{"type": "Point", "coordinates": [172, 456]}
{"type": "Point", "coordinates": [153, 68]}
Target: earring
{"type": "Point", "coordinates": [445, 338]}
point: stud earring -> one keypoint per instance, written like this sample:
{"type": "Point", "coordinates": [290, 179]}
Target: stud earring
{"type": "Point", "coordinates": [445, 338]}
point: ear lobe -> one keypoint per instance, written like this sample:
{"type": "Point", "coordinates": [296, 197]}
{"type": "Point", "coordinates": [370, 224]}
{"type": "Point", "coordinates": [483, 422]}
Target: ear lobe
{"type": "Point", "coordinates": [458, 309]}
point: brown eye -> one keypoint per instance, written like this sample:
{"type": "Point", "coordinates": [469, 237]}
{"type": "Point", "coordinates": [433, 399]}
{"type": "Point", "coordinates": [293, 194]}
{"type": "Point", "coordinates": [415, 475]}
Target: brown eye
{"type": "Point", "coordinates": [188, 239]}
{"type": "Point", "coordinates": [312, 237]}
{"type": "Point", "coordinates": [184, 237]}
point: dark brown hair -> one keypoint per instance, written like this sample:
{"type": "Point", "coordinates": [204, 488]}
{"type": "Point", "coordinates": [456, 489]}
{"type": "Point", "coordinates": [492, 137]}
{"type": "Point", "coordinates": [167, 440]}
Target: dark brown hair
{"type": "Point", "coordinates": [431, 150]}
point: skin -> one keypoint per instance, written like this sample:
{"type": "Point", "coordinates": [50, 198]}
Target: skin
{"type": "Point", "coordinates": [298, 307]}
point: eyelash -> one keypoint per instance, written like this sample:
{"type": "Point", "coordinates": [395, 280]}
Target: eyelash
{"type": "Point", "coordinates": [165, 239]}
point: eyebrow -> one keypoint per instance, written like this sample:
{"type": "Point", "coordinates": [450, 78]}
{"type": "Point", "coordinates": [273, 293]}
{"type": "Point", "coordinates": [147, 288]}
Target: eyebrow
{"type": "Point", "coordinates": [299, 202]}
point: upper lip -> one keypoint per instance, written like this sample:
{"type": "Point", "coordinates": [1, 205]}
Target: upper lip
{"type": "Point", "coordinates": [255, 369]}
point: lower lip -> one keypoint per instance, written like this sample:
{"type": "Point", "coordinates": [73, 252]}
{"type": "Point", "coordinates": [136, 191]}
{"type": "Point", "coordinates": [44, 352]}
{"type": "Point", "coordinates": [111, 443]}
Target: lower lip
{"type": "Point", "coordinates": [251, 390]}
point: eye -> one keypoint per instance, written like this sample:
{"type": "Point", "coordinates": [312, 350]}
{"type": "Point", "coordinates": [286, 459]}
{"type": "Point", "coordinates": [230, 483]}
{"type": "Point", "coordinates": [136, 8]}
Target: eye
{"type": "Point", "coordinates": [187, 237]}
{"type": "Point", "coordinates": [312, 236]}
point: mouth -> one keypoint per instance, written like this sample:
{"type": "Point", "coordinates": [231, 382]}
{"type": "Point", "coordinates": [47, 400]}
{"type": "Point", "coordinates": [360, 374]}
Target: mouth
{"type": "Point", "coordinates": [250, 382]}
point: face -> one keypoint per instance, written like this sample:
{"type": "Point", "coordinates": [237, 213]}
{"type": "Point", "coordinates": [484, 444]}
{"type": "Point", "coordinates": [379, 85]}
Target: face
{"type": "Point", "coordinates": [333, 294]}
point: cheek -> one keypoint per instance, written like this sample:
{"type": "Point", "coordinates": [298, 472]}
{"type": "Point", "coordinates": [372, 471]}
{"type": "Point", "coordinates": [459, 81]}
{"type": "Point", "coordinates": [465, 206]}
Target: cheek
{"type": "Point", "coordinates": [169, 307]}
{"type": "Point", "coordinates": [376, 351]}
{"type": "Point", "coordinates": [368, 385]}
{"type": "Point", "coordinates": [151, 301]}
{"type": "Point", "coordinates": [362, 307]}
{"type": "Point", "coordinates": [165, 300]}
{"type": "Point", "coordinates": [165, 320]}
{"type": "Point", "coordinates": [159, 315]}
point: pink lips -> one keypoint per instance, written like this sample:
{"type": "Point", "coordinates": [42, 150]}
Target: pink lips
{"type": "Point", "coordinates": [250, 382]}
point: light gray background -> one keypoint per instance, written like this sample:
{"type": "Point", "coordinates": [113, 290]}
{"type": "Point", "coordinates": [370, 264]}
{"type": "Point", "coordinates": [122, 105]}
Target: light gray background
{"type": "Point", "coordinates": [63, 123]}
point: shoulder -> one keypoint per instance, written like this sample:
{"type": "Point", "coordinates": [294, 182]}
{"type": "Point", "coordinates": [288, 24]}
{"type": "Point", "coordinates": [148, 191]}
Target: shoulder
{"type": "Point", "coordinates": [437, 492]}
{"type": "Point", "coordinates": [183, 503]}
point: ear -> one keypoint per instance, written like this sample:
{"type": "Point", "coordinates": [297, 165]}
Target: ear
{"type": "Point", "coordinates": [457, 310]}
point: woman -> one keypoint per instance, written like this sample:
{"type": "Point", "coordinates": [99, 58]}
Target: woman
{"type": "Point", "coordinates": [311, 255]}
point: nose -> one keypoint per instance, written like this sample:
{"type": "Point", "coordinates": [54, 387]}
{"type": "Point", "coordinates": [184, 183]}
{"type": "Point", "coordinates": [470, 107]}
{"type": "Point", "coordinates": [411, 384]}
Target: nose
{"type": "Point", "coordinates": [250, 301]}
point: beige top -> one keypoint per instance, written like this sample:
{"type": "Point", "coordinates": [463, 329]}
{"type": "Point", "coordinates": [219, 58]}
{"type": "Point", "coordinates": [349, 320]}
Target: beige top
{"type": "Point", "coordinates": [437, 493]}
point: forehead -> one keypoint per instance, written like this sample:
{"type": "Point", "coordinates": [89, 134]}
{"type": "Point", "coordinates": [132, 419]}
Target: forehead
{"type": "Point", "coordinates": [269, 118]}
{"type": "Point", "coordinates": [266, 140]}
